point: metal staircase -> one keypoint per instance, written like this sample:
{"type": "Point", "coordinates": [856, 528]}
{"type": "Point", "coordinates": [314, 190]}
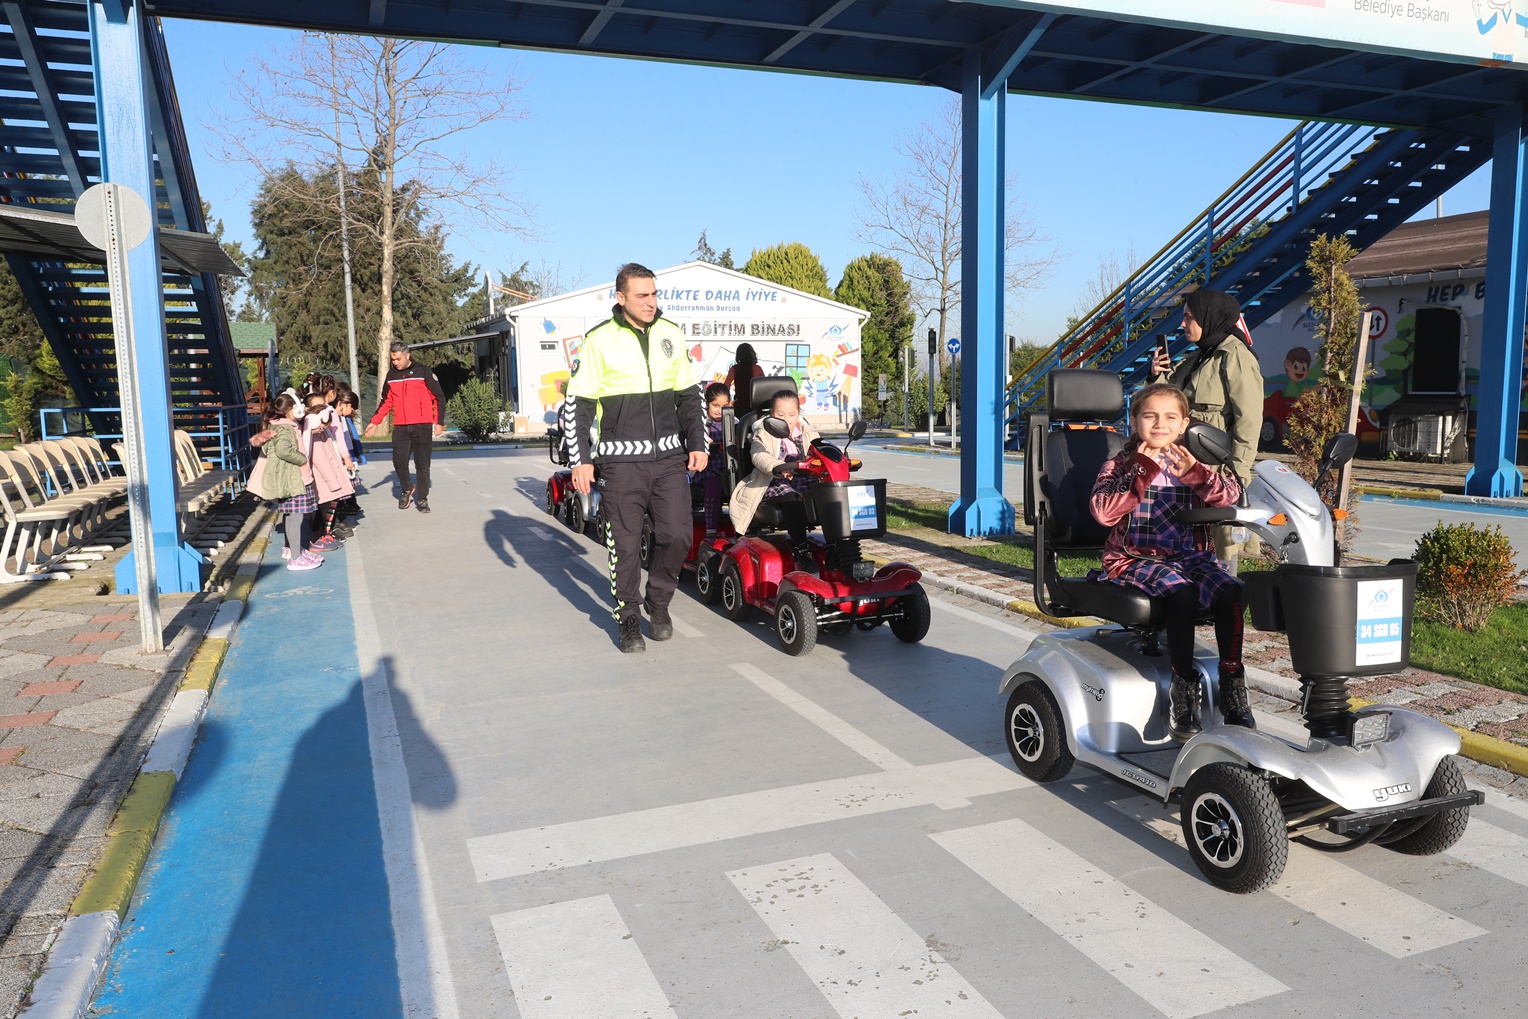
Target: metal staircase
{"type": "Point", "coordinates": [49, 156]}
{"type": "Point", "coordinates": [1253, 240]}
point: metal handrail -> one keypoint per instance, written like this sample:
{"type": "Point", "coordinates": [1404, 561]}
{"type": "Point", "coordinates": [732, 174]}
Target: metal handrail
{"type": "Point", "coordinates": [1303, 162]}
{"type": "Point", "coordinates": [232, 434]}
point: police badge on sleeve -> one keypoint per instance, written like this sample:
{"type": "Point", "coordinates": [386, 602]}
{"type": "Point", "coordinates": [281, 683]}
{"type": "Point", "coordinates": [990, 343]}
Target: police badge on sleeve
{"type": "Point", "coordinates": [668, 347]}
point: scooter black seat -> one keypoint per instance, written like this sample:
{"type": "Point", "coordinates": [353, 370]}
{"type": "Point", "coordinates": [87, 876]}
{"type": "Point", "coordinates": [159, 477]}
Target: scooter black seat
{"type": "Point", "coordinates": [1118, 603]}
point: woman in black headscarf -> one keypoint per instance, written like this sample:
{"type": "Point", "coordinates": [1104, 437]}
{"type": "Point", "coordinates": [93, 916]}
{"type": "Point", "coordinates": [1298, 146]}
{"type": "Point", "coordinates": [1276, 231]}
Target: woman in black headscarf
{"type": "Point", "coordinates": [1221, 375]}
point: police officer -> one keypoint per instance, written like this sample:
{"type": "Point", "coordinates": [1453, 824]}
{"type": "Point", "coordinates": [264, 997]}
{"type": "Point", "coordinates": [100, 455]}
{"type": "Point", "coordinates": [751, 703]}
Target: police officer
{"type": "Point", "coordinates": [634, 373]}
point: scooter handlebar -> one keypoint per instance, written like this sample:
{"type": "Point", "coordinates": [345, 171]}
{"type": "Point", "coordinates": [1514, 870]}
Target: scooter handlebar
{"type": "Point", "coordinates": [1208, 515]}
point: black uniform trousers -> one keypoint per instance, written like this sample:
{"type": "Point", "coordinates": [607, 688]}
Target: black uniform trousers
{"type": "Point", "coordinates": [658, 489]}
{"type": "Point", "coordinates": [420, 440]}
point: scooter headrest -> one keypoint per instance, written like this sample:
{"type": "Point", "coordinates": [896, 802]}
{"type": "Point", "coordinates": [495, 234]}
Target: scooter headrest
{"type": "Point", "coordinates": [761, 391]}
{"type": "Point", "coordinates": [1084, 394]}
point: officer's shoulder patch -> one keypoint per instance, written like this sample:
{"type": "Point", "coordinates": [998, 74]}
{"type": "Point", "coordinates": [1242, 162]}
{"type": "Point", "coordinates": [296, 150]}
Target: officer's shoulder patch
{"type": "Point", "coordinates": [574, 370]}
{"type": "Point", "coordinates": [668, 347]}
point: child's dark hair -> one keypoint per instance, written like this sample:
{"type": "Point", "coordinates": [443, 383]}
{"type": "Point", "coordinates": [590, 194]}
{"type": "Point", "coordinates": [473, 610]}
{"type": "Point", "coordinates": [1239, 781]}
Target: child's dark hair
{"type": "Point", "coordinates": [715, 390]}
{"type": "Point", "coordinates": [318, 383]}
{"type": "Point", "coordinates": [280, 407]}
{"type": "Point", "coordinates": [784, 394]}
{"type": "Point", "coordinates": [347, 396]}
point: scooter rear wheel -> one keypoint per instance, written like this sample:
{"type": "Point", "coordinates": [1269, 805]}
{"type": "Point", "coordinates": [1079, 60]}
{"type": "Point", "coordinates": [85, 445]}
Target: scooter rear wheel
{"type": "Point", "coordinates": [575, 515]}
{"type": "Point", "coordinates": [553, 506]}
{"type": "Point", "coordinates": [1234, 828]}
{"type": "Point", "coordinates": [707, 583]}
{"type": "Point", "coordinates": [1036, 738]}
{"type": "Point", "coordinates": [1442, 830]}
{"type": "Point", "coordinates": [646, 553]}
{"type": "Point", "coordinates": [734, 602]}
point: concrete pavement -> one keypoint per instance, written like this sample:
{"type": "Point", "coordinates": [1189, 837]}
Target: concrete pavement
{"type": "Point", "coordinates": [714, 829]}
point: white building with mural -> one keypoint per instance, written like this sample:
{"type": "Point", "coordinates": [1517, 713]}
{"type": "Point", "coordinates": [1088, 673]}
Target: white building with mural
{"type": "Point", "coordinates": [813, 339]}
{"type": "Point", "coordinates": [1425, 282]}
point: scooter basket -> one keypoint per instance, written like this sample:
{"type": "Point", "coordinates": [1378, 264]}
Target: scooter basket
{"type": "Point", "coordinates": [848, 509]}
{"type": "Point", "coordinates": [1341, 620]}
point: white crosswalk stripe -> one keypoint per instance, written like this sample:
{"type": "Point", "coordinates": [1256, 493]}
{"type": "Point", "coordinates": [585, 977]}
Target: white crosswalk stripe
{"type": "Point", "coordinates": [1493, 849]}
{"type": "Point", "coordinates": [864, 958]}
{"type": "Point", "coordinates": [1179, 970]}
{"type": "Point", "coordinates": [577, 960]}
{"type": "Point", "coordinates": [1371, 911]}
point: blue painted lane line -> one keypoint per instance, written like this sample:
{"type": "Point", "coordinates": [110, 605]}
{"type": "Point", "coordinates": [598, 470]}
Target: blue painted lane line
{"type": "Point", "coordinates": [266, 893]}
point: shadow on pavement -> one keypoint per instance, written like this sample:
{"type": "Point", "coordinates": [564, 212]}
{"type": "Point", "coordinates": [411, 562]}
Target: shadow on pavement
{"type": "Point", "coordinates": [313, 934]}
{"type": "Point", "coordinates": [555, 557]}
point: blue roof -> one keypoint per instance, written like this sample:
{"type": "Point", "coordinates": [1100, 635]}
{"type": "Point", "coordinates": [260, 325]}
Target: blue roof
{"type": "Point", "coordinates": [923, 41]}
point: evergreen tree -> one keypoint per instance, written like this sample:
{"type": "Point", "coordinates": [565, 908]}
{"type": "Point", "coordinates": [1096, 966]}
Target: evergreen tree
{"type": "Point", "coordinates": [875, 283]}
{"type": "Point", "coordinates": [791, 265]}
{"type": "Point", "coordinates": [705, 253]}
{"type": "Point", "coordinates": [36, 378]}
{"type": "Point", "coordinates": [297, 279]}
{"type": "Point", "coordinates": [1322, 410]}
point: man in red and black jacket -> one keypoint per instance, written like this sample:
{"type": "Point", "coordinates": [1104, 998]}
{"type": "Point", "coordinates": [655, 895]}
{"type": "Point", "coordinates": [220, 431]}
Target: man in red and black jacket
{"type": "Point", "coordinates": [412, 395]}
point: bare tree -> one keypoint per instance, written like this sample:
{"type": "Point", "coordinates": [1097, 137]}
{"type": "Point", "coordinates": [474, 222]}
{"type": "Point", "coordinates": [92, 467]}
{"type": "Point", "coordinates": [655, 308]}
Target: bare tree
{"type": "Point", "coordinates": [1106, 279]}
{"type": "Point", "coordinates": [916, 217]}
{"type": "Point", "coordinates": [394, 108]}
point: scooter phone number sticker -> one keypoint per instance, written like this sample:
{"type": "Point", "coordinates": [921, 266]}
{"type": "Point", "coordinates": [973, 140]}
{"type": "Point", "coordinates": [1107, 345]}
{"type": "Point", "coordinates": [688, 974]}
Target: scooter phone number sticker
{"type": "Point", "coordinates": [1379, 622]}
{"type": "Point", "coordinates": [862, 509]}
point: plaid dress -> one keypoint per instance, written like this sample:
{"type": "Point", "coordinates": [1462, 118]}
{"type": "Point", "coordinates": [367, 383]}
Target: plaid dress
{"type": "Point", "coordinates": [790, 452]}
{"type": "Point", "coordinates": [307, 502]}
{"type": "Point", "coordinates": [1152, 549]}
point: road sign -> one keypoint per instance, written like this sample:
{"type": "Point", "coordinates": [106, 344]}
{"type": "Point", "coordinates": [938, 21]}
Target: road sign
{"type": "Point", "coordinates": [953, 346]}
{"type": "Point", "coordinates": [880, 387]}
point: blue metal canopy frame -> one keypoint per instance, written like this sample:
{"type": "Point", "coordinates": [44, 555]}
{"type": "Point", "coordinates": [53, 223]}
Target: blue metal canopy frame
{"type": "Point", "coordinates": [983, 52]}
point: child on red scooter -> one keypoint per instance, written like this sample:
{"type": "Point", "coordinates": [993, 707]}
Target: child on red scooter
{"type": "Point", "coordinates": [1140, 494]}
{"type": "Point", "coordinates": [784, 490]}
{"type": "Point", "coordinates": [718, 398]}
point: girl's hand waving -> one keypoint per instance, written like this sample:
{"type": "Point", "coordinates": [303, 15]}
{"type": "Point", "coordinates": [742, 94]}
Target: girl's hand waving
{"type": "Point", "coordinates": [1178, 459]}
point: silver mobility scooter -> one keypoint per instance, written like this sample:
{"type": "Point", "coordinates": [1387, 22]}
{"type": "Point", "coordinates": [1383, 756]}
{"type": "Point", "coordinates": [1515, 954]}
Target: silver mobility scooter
{"type": "Point", "coordinates": [1099, 694]}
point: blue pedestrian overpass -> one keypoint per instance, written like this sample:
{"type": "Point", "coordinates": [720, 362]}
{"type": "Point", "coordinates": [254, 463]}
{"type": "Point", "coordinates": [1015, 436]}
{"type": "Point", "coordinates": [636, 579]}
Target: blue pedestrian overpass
{"type": "Point", "coordinates": [1446, 107]}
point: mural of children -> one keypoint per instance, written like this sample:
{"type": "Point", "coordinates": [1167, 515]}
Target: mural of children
{"type": "Point", "coordinates": [1281, 393]}
{"type": "Point", "coordinates": [820, 387]}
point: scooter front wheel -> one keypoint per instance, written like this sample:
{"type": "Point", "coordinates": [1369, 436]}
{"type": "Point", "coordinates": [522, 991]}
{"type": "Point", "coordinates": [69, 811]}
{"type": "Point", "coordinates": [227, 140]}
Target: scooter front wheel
{"type": "Point", "coordinates": [553, 505]}
{"type": "Point", "coordinates": [1234, 828]}
{"type": "Point", "coordinates": [1441, 830]}
{"type": "Point", "coordinates": [796, 623]}
{"type": "Point", "coordinates": [912, 625]}
{"type": "Point", "coordinates": [1036, 739]}
{"type": "Point", "coordinates": [646, 547]}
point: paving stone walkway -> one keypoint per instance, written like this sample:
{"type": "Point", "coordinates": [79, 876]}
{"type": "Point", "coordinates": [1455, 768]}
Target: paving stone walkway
{"type": "Point", "coordinates": [80, 704]}
{"type": "Point", "coordinates": [1458, 702]}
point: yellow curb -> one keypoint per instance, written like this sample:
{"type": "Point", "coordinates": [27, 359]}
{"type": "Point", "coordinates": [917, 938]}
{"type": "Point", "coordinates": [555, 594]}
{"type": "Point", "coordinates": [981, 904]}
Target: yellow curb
{"type": "Point", "coordinates": [239, 587]}
{"type": "Point", "coordinates": [259, 545]}
{"type": "Point", "coordinates": [1400, 493]}
{"type": "Point", "coordinates": [203, 670]}
{"type": "Point", "coordinates": [129, 839]}
{"type": "Point", "coordinates": [1030, 609]}
{"type": "Point", "coordinates": [1498, 753]}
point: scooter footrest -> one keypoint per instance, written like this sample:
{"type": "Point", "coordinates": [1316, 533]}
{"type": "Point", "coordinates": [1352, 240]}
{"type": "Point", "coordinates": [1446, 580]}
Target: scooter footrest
{"type": "Point", "coordinates": [1343, 824]}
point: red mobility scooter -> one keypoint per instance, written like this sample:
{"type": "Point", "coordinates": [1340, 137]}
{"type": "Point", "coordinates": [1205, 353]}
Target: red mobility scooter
{"type": "Point", "coordinates": [579, 512]}
{"type": "Point", "coordinates": [846, 590]}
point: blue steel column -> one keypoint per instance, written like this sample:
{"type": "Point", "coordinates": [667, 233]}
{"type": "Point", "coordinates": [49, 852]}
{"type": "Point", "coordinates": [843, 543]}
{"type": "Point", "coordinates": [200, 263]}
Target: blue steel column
{"type": "Point", "coordinates": [127, 158]}
{"type": "Point", "coordinates": [1501, 353]}
{"type": "Point", "coordinates": [981, 508]}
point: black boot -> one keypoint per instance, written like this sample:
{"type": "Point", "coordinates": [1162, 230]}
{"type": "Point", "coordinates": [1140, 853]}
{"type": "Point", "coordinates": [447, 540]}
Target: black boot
{"type": "Point", "coordinates": [631, 640]}
{"type": "Point", "coordinates": [658, 622]}
{"type": "Point", "coordinates": [1233, 698]}
{"type": "Point", "coordinates": [1183, 719]}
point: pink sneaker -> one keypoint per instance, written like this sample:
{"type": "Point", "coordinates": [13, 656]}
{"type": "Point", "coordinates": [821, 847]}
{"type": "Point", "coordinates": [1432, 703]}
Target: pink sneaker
{"type": "Point", "coordinates": [306, 561]}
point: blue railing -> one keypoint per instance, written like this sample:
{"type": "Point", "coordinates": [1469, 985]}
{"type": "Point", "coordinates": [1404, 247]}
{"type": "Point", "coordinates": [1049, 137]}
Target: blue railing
{"type": "Point", "coordinates": [227, 444]}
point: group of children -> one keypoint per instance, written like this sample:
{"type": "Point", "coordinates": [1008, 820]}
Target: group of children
{"type": "Point", "coordinates": [309, 449]}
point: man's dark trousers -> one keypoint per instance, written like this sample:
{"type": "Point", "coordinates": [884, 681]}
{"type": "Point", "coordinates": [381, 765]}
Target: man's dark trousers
{"type": "Point", "coordinates": [628, 491]}
{"type": "Point", "coordinates": [420, 440]}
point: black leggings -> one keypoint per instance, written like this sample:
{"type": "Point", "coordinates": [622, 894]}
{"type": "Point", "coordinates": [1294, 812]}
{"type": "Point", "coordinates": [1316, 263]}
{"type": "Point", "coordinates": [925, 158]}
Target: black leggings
{"type": "Point", "coordinates": [1183, 611]}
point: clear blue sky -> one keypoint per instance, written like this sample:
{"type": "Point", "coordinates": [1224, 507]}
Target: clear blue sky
{"type": "Point", "coordinates": [630, 160]}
